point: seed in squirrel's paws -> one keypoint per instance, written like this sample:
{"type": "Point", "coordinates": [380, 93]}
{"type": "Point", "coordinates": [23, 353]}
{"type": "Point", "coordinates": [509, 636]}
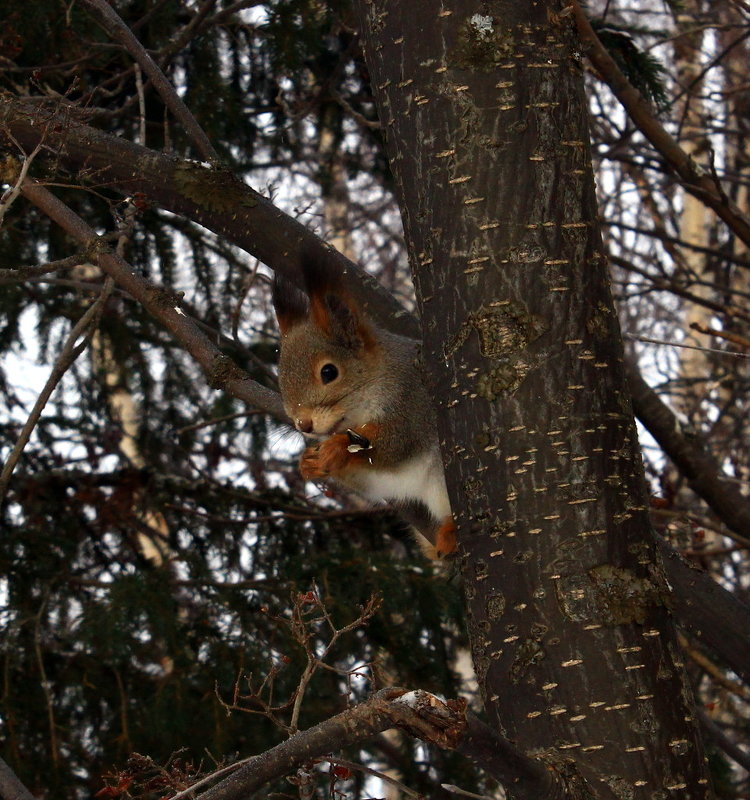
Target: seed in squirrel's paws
{"type": "Point", "coordinates": [357, 442]}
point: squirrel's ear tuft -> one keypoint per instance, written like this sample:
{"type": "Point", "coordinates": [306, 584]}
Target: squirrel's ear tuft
{"type": "Point", "coordinates": [340, 319]}
{"type": "Point", "coordinates": [320, 277]}
{"type": "Point", "coordinates": [332, 308]}
{"type": "Point", "coordinates": [290, 304]}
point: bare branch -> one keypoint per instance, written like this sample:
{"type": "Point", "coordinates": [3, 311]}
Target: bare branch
{"type": "Point", "coordinates": [304, 624]}
{"type": "Point", "coordinates": [692, 458]}
{"type": "Point", "coordinates": [69, 353]}
{"type": "Point", "coordinates": [449, 787]}
{"type": "Point", "coordinates": [213, 198]}
{"type": "Point", "coordinates": [735, 752]}
{"type": "Point", "coordinates": [120, 32]}
{"type": "Point", "coordinates": [314, 662]}
{"type": "Point", "coordinates": [649, 340]}
{"type": "Point", "coordinates": [17, 175]}
{"type": "Point", "coordinates": [727, 336]}
{"type": "Point", "coordinates": [717, 673]}
{"type": "Point", "coordinates": [10, 787]}
{"type": "Point", "coordinates": [221, 372]}
{"type": "Point", "coordinates": [342, 762]}
{"type": "Point", "coordinates": [695, 180]}
{"type": "Point", "coordinates": [418, 713]}
{"type": "Point", "coordinates": [29, 273]}
{"type": "Point", "coordinates": [672, 286]}
{"type": "Point", "coordinates": [709, 612]}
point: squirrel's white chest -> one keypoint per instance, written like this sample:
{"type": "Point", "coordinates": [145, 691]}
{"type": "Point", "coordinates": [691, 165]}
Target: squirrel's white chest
{"type": "Point", "coordinates": [420, 478]}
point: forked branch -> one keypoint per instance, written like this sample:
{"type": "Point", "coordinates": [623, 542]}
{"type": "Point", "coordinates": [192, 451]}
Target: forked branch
{"type": "Point", "coordinates": [420, 714]}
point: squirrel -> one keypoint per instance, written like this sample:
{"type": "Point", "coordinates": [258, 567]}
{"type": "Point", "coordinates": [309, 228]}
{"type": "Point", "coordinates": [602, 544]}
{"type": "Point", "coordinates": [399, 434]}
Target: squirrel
{"type": "Point", "coordinates": [358, 390]}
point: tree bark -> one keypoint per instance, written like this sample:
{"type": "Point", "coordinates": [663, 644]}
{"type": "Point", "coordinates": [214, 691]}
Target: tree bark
{"type": "Point", "coordinates": [10, 787]}
{"type": "Point", "coordinates": [707, 611]}
{"type": "Point", "coordinates": [487, 133]}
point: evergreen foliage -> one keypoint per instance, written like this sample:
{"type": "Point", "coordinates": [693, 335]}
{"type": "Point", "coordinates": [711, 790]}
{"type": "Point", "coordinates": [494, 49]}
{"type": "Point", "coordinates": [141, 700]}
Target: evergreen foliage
{"type": "Point", "coordinates": [644, 70]}
{"type": "Point", "coordinates": [108, 651]}
{"type": "Point", "coordinates": [119, 640]}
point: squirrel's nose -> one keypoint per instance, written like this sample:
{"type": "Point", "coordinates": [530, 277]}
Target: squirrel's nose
{"type": "Point", "coordinates": [305, 425]}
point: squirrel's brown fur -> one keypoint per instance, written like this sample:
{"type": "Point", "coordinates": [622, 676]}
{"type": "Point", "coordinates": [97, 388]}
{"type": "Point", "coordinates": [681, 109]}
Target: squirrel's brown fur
{"type": "Point", "coordinates": [340, 373]}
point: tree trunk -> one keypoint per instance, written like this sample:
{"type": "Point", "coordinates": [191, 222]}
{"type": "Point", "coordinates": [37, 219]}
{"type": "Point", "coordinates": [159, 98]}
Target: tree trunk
{"type": "Point", "coordinates": [487, 133]}
{"type": "Point", "coordinates": [694, 367]}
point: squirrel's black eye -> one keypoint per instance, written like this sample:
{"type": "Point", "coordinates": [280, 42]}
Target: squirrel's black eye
{"type": "Point", "coordinates": [328, 373]}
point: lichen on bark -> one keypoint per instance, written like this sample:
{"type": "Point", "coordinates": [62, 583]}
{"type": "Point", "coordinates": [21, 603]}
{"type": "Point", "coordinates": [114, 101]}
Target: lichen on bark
{"type": "Point", "coordinates": [215, 190]}
{"type": "Point", "coordinates": [607, 595]}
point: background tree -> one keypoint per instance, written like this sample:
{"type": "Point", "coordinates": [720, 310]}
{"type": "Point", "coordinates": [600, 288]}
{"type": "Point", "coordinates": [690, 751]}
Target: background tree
{"type": "Point", "coordinates": [154, 530]}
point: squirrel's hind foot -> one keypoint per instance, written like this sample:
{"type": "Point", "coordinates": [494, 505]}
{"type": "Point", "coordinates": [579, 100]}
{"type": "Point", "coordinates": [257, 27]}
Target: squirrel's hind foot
{"type": "Point", "coordinates": [445, 538]}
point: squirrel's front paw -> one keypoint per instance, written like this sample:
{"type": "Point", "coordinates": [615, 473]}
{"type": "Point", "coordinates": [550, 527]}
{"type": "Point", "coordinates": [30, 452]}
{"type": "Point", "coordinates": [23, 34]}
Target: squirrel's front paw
{"type": "Point", "coordinates": [325, 459]}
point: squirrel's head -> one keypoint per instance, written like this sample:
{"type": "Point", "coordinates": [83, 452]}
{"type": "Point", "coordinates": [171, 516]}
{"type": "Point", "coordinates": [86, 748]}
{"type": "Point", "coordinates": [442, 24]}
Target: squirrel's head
{"type": "Point", "coordinates": [329, 363]}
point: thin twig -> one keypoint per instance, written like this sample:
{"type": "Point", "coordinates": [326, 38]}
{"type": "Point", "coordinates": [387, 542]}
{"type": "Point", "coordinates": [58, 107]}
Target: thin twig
{"type": "Point", "coordinates": [45, 684]}
{"type": "Point", "coordinates": [120, 32]}
{"type": "Point", "coordinates": [727, 336]}
{"type": "Point", "coordinates": [10, 195]}
{"type": "Point", "coordinates": [68, 355]}
{"type": "Point", "coordinates": [163, 305]}
{"type": "Point", "coordinates": [648, 340]}
{"type": "Point", "coordinates": [730, 747]}
{"type": "Point", "coordinates": [315, 662]}
{"type": "Point", "coordinates": [38, 270]}
{"type": "Point", "coordinates": [218, 773]}
{"type": "Point", "coordinates": [208, 423]}
{"type": "Point", "coordinates": [141, 106]}
{"type": "Point", "coordinates": [383, 776]}
{"type": "Point", "coordinates": [181, 38]}
{"type": "Point", "coordinates": [694, 179]}
{"type": "Point", "coordinates": [449, 787]}
{"type": "Point", "coordinates": [247, 285]}
{"type": "Point", "coordinates": [717, 673]}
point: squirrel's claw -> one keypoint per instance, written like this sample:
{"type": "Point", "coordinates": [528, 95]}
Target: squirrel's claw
{"type": "Point", "coordinates": [325, 459]}
{"type": "Point", "coordinates": [337, 453]}
{"type": "Point", "coordinates": [309, 464]}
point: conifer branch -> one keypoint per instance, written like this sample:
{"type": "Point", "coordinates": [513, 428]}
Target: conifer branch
{"type": "Point", "coordinates": [210, 197]}
{"type": "Point", "coordinates": [695, 180]}
{"type": "Point", "coordinates": [72, 348]}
